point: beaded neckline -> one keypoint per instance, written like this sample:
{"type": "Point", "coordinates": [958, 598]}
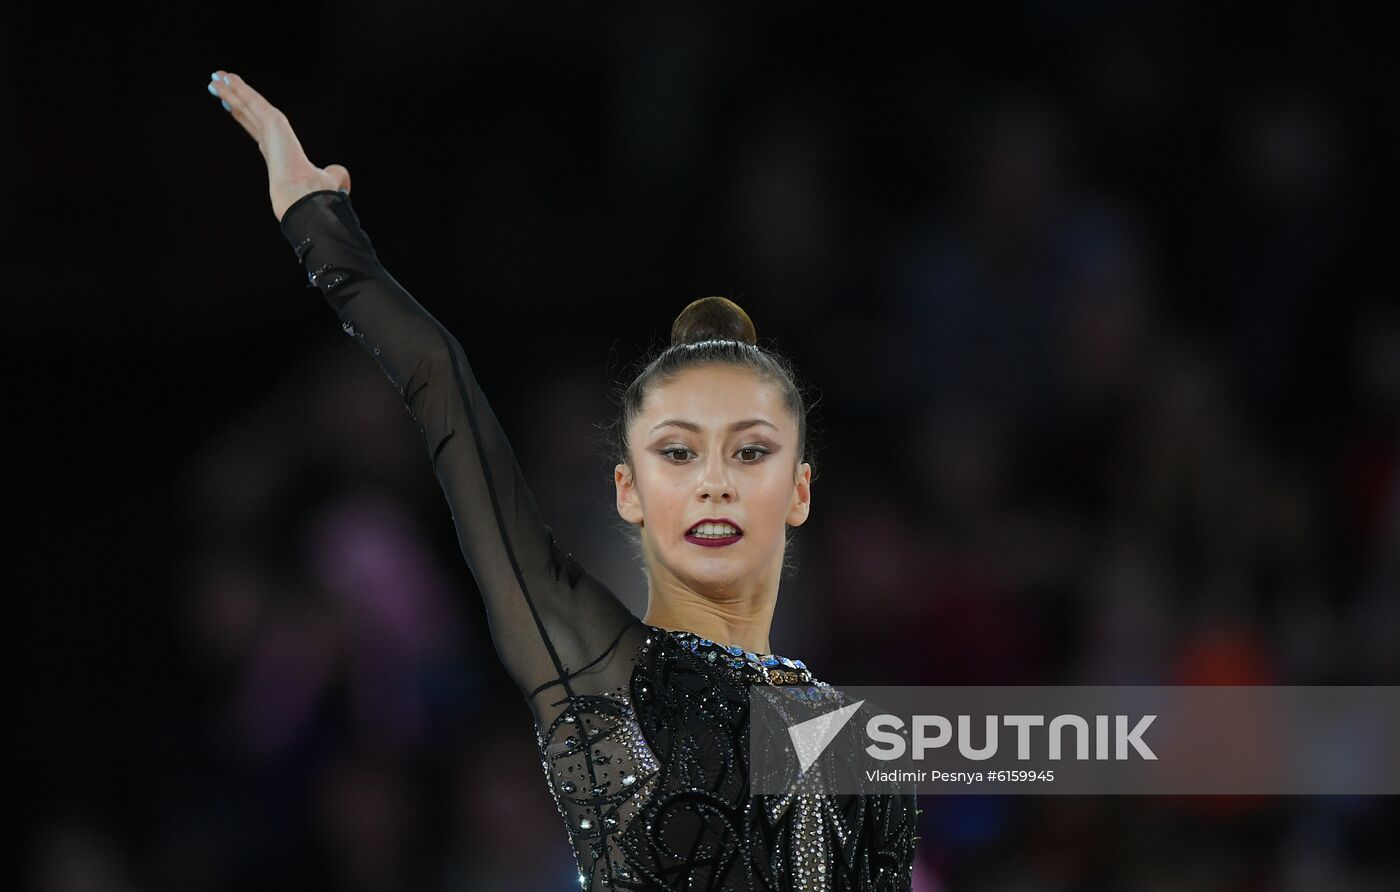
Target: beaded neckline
{"type": "Point", "coordinates": [765, 668]}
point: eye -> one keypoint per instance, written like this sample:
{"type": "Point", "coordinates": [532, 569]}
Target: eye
{"type": "Point", "coordinates": [671, 450]}
{"type": "Point", "coordinates": [758, 449]}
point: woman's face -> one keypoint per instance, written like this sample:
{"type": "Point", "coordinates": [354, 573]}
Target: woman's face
{"type": "Point", "coordinates": [715, 442]}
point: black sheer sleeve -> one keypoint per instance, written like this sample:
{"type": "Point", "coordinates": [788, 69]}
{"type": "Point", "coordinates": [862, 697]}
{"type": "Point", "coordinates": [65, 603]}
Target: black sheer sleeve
{"type": "Point", "coordinates": [552, 622]}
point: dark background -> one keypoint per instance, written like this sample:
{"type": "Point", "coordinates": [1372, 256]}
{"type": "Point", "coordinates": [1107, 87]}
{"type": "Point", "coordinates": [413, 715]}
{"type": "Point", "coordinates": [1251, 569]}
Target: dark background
{"type": "Point", "coordinates": [1100, 299]}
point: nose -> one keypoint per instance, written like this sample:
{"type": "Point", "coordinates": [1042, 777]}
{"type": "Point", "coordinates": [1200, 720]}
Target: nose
{"type": "Point", "coordinates": [714, 483]}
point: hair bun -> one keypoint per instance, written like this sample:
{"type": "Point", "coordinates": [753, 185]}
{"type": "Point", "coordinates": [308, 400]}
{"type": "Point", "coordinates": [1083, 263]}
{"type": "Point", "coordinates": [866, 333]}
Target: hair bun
{"type": "Point", "coordinates": [710, 318]}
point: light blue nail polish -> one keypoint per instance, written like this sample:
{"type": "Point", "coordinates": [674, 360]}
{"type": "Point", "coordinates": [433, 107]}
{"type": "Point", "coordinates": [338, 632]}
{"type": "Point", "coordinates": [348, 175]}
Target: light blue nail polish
{"type": "Point", "coordinates": [226, 80]}
{"type": "Point", "coordinates": [213, 91]}
{"type": "Point", "coordinates": [224, 103]}
{"type": "Point", "coordinates": [344, 191]}
{"type": "Point", "coordinates": [213, 75]}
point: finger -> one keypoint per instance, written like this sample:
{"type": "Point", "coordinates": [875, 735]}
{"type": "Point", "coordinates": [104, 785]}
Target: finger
{"type": "Point", "coordinates": [249, 107]}
{"type": "Point", "coordinates": [263, 121]}
{"type": "Point", "coordinates": [235, 99]}
{"type": "Point", "coordinates": [253, 102]}
{"type": "Point", "coordinates": [341, 176]}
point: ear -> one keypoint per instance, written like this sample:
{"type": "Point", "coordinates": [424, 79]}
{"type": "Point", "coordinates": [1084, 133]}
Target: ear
{"type": "Point", "coordinates": [629, 506]}
{"type": "Point", "coordinates": [801, 505]}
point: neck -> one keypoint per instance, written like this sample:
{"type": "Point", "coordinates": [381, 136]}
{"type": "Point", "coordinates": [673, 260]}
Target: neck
{"type": "Point", "coordinates": [745, 623]}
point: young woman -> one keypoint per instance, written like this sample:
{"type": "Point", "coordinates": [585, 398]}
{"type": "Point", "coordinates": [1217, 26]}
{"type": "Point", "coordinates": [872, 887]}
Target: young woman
{"type": "Point", "coordinates": [641, 725]}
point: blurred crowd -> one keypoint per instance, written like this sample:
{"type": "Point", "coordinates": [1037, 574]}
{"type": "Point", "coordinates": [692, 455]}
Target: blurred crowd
{"type": "Point", "coordinates": [1109, 377]}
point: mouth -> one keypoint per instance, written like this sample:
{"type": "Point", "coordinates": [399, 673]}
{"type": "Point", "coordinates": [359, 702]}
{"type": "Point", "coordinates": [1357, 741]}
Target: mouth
{"type": "Point", "coordinates": [713, 532]}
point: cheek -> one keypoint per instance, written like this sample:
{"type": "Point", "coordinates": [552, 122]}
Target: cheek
{"type": "Point", "coordinates": [665, 507]}
{"type": "Point", "coordinates": [768, 508]}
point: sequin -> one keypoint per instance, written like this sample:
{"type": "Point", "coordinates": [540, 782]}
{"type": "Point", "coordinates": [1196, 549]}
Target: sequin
{"type": "Point", "coordinates": [629, 831]}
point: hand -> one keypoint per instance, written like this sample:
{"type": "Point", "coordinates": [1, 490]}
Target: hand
{"type": "Point", "coordinates": [290, 174]}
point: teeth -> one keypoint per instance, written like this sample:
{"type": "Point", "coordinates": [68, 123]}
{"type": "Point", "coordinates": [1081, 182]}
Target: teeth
{"type": "Point", "coordinates": [714, 530]}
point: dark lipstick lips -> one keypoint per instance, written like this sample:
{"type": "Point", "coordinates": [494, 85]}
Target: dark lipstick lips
{"type": "Point", "coordinates": [708, 542]}
{"type": "Point", "coordinates": [713, 542]}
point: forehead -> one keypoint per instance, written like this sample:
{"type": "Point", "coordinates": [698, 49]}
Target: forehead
{"type": "Point", "coordinates": [715, 395]}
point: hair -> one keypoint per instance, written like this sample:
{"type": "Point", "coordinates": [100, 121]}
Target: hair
{"type": "Point", "coordinates": [714, 331]}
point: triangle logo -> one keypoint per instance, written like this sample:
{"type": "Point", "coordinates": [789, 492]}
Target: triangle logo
{"type": "Point", "coordinates": [811, 738]}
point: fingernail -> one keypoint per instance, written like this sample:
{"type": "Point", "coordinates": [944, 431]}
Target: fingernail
{"type": "Point", "coordinates": [343, 190]}
{"type": "Point", "coordinates": [224, 103]}
{"type": "Point", "coordinates": [226, 80]}
{"type": "Point", "coordinates": [213, 90]}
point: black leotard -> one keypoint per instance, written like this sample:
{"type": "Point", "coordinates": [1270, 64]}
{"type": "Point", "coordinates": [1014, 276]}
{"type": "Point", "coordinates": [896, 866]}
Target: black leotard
{"type": "Point", "coordinates": [642, 732]}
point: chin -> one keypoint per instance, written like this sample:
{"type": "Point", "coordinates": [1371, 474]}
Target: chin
{"type": "Point", "coordinates": [716, 572]}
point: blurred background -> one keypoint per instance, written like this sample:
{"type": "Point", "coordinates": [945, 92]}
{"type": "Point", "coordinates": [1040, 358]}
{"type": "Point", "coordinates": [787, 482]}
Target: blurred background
{"type": "Point", "coordinates": [1100, 300]}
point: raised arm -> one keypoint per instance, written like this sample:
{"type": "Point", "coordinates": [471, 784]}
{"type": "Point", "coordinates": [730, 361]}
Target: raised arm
{"type": "Point", "coordinates": [548, 616]}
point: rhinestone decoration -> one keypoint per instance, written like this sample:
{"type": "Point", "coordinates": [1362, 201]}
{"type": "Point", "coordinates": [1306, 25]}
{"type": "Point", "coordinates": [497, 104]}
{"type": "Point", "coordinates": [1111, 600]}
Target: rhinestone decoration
{"type": "Point", "coordinates": [764, 668]}
{"type": "Point", "coordinates": [595, 745]}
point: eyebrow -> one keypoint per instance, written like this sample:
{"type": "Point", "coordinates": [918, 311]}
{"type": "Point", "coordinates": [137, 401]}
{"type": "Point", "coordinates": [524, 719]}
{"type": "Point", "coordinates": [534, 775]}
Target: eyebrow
{"type": "Point", "coordinates": [736, 426]}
